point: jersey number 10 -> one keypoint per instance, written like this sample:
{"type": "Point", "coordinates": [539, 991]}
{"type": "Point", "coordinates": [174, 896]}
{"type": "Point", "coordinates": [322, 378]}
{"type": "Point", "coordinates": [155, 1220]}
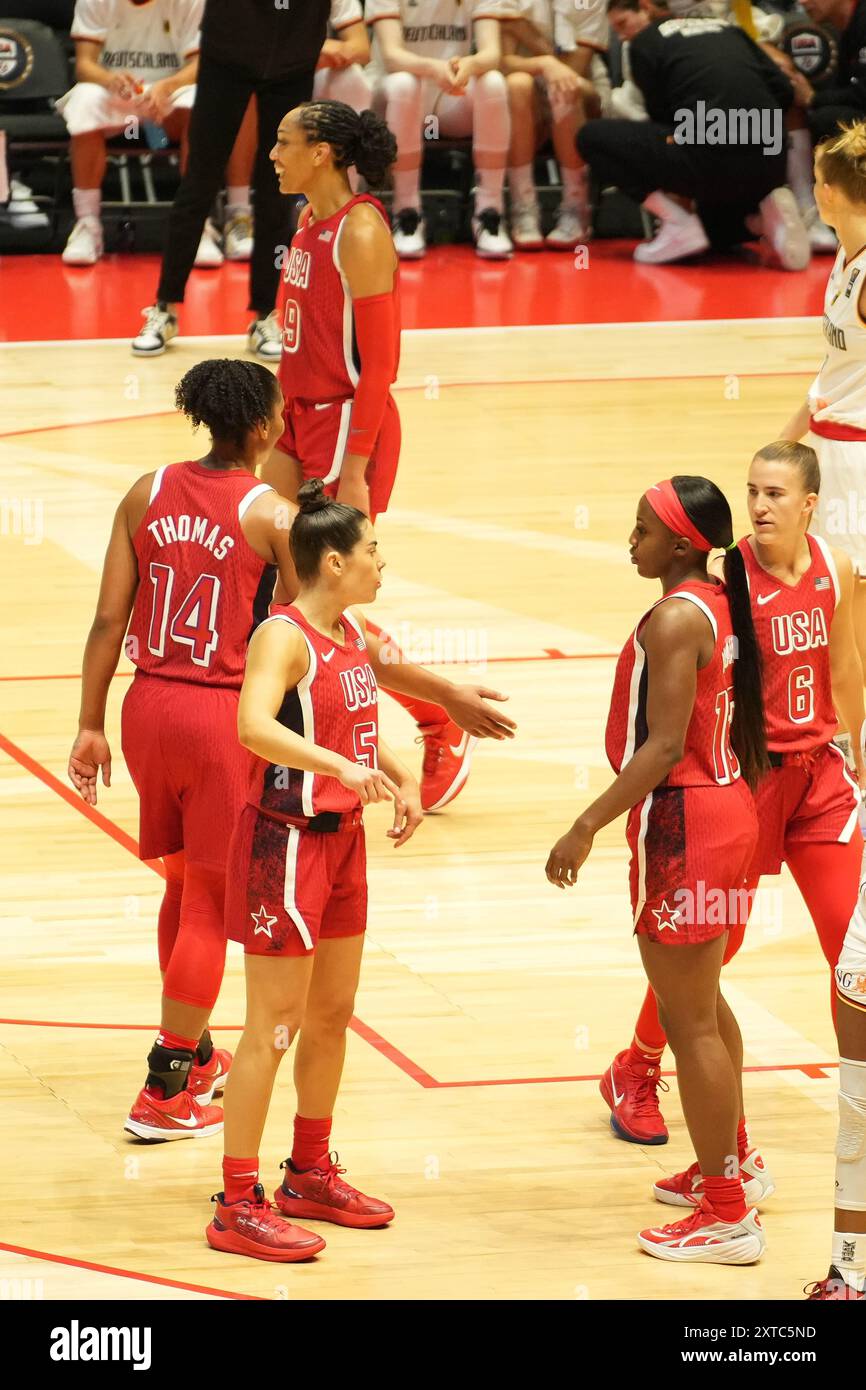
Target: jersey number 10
{"type": "Point", "coordinates": [194, 622]}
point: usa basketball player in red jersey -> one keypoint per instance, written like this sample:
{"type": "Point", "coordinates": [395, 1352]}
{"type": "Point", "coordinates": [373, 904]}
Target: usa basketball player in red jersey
{"type": "Point", "coordinates": [188, 549]}
{"type": "Point", "coordinates": [341, 349]}
{"type": "Point", "coordinates": [685, 735]}
{"type": "Point", "coordinates": [309, 712]}
{"type": "Point", "coordinates": [802, 597]}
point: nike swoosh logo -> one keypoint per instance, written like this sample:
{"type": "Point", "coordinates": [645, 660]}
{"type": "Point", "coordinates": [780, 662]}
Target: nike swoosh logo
{"type": "Point", "coordinates": [461, 747]}
{"type": "Point", "coordinates": [326, 405]}
{"type": "Point", "coordinates": [327, 657]}
{"type": "Point", "coordinates": [617, 1100]}
{"type": "Point", "coordinates": [184, 1124]}
{"type": "Point", "coordinates": [765, 598]}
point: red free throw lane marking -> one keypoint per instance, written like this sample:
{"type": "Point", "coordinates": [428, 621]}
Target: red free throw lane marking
{"type": "Point", "coordinates": [128, 1273]}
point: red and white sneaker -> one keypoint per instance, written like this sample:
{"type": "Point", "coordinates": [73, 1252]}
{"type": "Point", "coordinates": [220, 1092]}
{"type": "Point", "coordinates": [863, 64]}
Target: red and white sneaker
{"type": "Point", "coordinates": [206, 1081]}
{"type": "Point", "coordinates": [182, 1117]}
{"type": "Point", "coordinates": [319, 1194]}
{"type": "Point", "coordinates": [683, 1189]}
{"type": "Point", "coordinates": [703, 1236]}
{"type": "Point", "coordinates": [833, 1289]}
{"type": "Point", "coordinates": [630, 1089]}
{"type": "Point", "coordinates": [254, 1229]}
{"type": "Point", "coordinates": [447, 755]}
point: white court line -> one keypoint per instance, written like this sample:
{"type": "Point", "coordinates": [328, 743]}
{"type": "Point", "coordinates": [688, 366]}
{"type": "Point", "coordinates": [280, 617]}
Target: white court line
{"type": "Point", "coordinates": [691, 324]}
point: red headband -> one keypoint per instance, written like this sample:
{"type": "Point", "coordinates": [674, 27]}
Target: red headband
{"type": "Point", "coordinates": [669, 509]}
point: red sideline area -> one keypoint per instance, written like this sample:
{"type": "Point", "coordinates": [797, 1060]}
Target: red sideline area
{"type": "Point", "coordinates": [814, 1070]}
{"type": "Point", "coordinates": [128, 1273]}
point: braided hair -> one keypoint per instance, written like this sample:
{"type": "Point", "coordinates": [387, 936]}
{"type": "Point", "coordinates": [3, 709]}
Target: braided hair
{"type": "Point", "coordinates": [229, 396]}
{"type": "Point", "coordinates": [358, 138]}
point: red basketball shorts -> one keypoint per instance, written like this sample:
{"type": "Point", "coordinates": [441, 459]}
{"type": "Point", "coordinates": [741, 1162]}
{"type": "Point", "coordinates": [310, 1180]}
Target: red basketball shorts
{"type": "Point", "coordinates": [180, 742]}
{"type": "Point", "coordinates": [317, 436]}
{"type": "Point", "coordinates": [811, 799]}
{"type": "Point", "coordinates": [690, 849]}
{"type": "Point", "coordinates": [289, 888]}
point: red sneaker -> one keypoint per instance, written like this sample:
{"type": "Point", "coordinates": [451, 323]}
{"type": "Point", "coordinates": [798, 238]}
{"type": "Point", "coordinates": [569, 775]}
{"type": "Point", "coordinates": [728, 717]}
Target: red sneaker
{"type": "Point", "coordinates": [182, 1117]}
{"type": "Point", "coordinates": [254, 1229]}
{"type": "Point", "coordinates": [630, 1090]}
{"type": "Point", "coordinates": [205, 1081]}
{"type": "Point", "coordinates": [447, 755]}
{"type": "Point", "coordinates": [683, 1189]}
{"type": "Point", "coordinates": [833, 1289]}
{"type": "Point", "coordinates": [321, 1195]}
{"type": "Point", "coordinates": [705, 1237]}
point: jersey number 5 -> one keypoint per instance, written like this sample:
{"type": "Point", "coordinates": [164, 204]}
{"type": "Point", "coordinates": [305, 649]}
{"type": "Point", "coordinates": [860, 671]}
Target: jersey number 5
{"type": "Point", "coordinates": [194, 622]}
{"type": "Point", "coordinates": [365, 741]}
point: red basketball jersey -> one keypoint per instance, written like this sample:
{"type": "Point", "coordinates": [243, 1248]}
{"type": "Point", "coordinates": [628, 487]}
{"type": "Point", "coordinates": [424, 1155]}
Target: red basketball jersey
{"type": "Point", "coordinates": [792, 622]}
{"type": "Point", "coordinates": [320, 360]}
{"type": "Point", "coordinates": [198, 575]}
{"type": "Point", "coordinates": [336, 705]}
{"type": "Point", "coordinates": [708, 758]}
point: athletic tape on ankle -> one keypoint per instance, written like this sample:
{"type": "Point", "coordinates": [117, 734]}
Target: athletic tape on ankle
{"type": "Point", "coordinates": [851, 1142]}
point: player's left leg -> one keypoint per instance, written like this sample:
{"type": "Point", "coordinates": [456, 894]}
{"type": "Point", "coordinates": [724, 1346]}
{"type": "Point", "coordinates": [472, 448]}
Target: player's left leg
{"type": "Point", "coordinates": [828, 877]}
{"type": "Point", "coordinates": [483, 111]}
{"type": "Point", "coordinates": [721, 1229]}
{"type": "Point", "coordinates": [568, 116]}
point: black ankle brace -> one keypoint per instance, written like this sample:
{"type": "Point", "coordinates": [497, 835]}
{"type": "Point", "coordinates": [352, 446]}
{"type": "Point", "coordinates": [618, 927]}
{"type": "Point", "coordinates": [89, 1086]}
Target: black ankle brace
{"type": "Point", "coordinates": [169, 1069]}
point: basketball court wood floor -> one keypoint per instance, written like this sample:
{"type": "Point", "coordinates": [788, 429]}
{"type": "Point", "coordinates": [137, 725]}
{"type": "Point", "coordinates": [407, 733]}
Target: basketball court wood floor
{"type": "Point", "coordinates": [490, 1002]}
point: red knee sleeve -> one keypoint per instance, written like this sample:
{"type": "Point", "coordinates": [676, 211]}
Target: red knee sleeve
{"type": "Point", "coordinates": [169, 908]}
{"type": "Point", "coordinates": [195, 970]}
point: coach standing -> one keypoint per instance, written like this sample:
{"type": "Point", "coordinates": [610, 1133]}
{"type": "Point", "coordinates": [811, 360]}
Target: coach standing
{"type": "Point", "coordinates": [266, 48]}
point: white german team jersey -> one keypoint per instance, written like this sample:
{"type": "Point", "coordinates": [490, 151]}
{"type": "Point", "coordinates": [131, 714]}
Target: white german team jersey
{"type": "Point", "coordinates": [564, 24]}
{"type": "Point", "coordinates": [838, 392]}
{"type": "Point", "coordinates": [151, 41]}
{"type": "Point", "coordinates": [438, 28]}
{"type": "Point", "coordinates": [343, 13]}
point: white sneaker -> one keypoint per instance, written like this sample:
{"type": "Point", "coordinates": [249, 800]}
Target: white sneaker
{"type": "Point", "coordinates": [822, 238]}
{"type": "Point", "coordinates": [568, 231]}
{"type": "Point", "coordinates": [703, 1237]}
{"type": "Point", "coordinates": [84, 246]}
{"type": "Point", "coordinates": [676, 239]}
{"type": "Point", "coordinates": [265, 338]}
{"type": "Point", "coordinates": [526, 227]}
{"type": "Point", "coordinates": [410, 242]}
{"type": "Point", "coordinates": [682, 1189]}
{"type": "Point", "coordinates": [238, 235]}
{"type": "Point", "coordinates": [159, 328]}
{"type": "Point", "coordinates": [209, 254]}
{"type": "Point", "coordinates": [492, 242]}
{"type": "Point", "coordinates": [783, 232]}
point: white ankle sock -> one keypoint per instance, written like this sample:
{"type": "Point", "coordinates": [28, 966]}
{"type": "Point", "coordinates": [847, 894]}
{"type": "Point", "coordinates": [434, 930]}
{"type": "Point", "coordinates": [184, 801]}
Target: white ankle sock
{"type": "Point", "coordinates": [799, 166]}
{"type": "Point", "coordinates": [663, 207]}
{"type": "Point", "coordinates": [238, 197]}
{"type": "Point", "coordinates": [489, 191]}
{"type": "Point", "coordinates": [407, 193]}
{"type": "Point", "coordinates": [86, 202]}
{"type": "Point", "coordinates": [574, 187]}
{"type": "Point", "coordinates": [521, 184]}
{"type": "Point", "coordinates": [849, 1257]}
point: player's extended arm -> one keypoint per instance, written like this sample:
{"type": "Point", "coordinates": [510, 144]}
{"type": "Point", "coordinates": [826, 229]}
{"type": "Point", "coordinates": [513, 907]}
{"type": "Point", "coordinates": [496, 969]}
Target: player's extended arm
{"type": "Point", "coordinates": [672, 640]}
{"type": "Point", "coordinates": [798, 425]}
{"type": "Point", "coordinates": [465, 704]}
{"type": "Point", "coordinates": [354, 44]}
{"type": "Point", "coordinates": [90, 751]}
{"type": "Point", "coordinates": [408, 814]}
{"type": "Point", "coordinates": [369, 264]}
{"type": "Point", "coordinates": [845, 671]}
{"type": "Point", "coordinates": [277, 660]}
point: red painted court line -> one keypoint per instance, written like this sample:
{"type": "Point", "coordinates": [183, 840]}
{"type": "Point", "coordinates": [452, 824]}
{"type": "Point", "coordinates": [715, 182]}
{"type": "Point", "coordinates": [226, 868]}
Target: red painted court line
{"type": "Point", "coordinates": [394, 1055]}
{"type": "Point", "coordinates": [129, 1274]}
{"type": "Point", "coordinates": [73, 799]}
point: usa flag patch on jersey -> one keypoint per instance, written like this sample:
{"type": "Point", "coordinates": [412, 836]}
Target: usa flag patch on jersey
{"type": "Point", "coordinates": [823, 581]}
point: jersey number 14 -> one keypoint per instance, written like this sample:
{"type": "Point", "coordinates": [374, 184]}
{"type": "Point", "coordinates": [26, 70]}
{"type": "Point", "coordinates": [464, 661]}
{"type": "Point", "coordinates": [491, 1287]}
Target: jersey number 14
{"type": "Point", "coordinates": [193, 623]}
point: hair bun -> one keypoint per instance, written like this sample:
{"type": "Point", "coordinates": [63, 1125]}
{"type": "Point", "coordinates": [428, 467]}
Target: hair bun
{"type": "Point", "coordinates": [312, 496]}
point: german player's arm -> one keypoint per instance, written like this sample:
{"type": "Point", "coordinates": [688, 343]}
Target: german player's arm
{"type": "Point", "coordinates": [408, 814]}
{"type": "Point", "coordinates": [673, 640]}
{"type": "Point", "coordinates": [486, 58]}
{"type": "Point", "coordinates": [90, 751]}
{"type": "Point", "coordinates": [351, 45]}
{"type": "Point", "coordinates": [369, 263]}
{"type": "Point", "coordinates": [845, 669]}
{"type": "Point", "coordinates": [277, 660]}
{"type": "Point", "coordinates": [396, 56]}
{"type": "Point", "coordinates": [798, 425]}
{"type": "Point", "coordinates": [465, 704]}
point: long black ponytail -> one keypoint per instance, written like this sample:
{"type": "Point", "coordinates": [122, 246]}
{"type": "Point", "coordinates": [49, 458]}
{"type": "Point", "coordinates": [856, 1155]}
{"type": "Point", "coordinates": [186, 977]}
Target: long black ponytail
{"type": "Point", "coordinates": [707, 506]}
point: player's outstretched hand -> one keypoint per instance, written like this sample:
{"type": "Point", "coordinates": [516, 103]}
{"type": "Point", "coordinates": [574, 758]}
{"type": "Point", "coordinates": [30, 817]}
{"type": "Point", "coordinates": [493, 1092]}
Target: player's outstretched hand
{"type": "Point", "coordinates": [90, 752]}
{"type": "Point", "coordinates": [408, 814]}
{"type": "Point", "coordinates": [369, 783]}
{"type": "Point", "coordinates": [567, 856]}
{"type": "Point", "coordinates": [467, 706]}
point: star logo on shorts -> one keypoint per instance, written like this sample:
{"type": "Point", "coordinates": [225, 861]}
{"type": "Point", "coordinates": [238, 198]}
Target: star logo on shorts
{"type": "Point", "coordinates": [263, 921]}
{"type": "Point", "coordinates": [665, 916]}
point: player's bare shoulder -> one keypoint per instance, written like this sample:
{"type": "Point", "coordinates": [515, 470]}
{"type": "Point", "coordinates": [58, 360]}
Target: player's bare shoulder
{"type": "Point", "coordinates": [137, 501]}
{"type": "Point", "coordinates": [366, 242]}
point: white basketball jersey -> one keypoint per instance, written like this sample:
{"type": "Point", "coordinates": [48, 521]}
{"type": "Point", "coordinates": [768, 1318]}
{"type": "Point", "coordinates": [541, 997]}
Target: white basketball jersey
{"type": "Point", "coordinates": [151, 41]}
{"type": "Point", "coordinates": [437, 28]}
{"type": "Point", "coordinates": [838, 392]}
{"type": "Point", "coordinates": [344, 13]}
